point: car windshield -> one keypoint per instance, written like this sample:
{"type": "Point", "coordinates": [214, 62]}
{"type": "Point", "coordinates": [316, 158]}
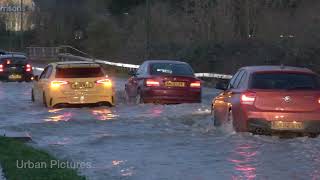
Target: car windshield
{"type": "Point", "coordinates": [171, 69]}
{"type": "Point", "coordinates": [285, 81]}
{"type": "Point", "coordinates": [14, 60]}
{"type": "Point", "coordinates": [79, 72]}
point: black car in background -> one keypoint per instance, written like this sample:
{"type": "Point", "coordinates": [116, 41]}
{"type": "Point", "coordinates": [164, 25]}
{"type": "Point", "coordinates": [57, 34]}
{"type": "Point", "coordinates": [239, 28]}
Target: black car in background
{"type": "Point", "coordinates": [14, 67]}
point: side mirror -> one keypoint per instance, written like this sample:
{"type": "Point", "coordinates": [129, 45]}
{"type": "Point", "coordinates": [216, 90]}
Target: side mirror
{"type": "Point", "coordinates": [36, 78]}
{"type": "Point", "coordinates": [132, 73]}
{"type": "Point", "coordinates": [222, 86]}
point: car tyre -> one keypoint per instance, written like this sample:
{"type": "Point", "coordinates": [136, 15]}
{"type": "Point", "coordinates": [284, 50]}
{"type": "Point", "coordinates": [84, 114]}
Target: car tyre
{"type": "Point", "coordinates": [216, 122]}
{"type": "Point", "coordinates": [139, 98]}
{"type": "Point", "coordinates": [127, 98]}
{"type": "Point", "coordinates": [231, 120]}
{"type": "Point", "coordinates": [44, 100]}
{"type": "Point", "coordinates": [32, 96]}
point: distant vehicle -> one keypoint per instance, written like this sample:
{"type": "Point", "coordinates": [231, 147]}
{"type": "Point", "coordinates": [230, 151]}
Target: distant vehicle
{"type": "Point", "coordinates": [270, 99]}
{"type": "Point", "coordinates": [3, 52]}
{"type": "Point", "coordinates": [73, 83]}
{"type": "Point", "coordinates": [163, 82]}
{"type": "Point", "coordinates": [15, 68]}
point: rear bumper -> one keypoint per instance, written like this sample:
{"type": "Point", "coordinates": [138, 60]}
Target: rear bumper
{"type": "Point", "coordinates": [261, 120]}
{"type": "Point", "coordinates": [82, 100]}
{"type": "Point", "coordinates": [167, 96]}
{"type": "Point", "coordinates": [263, 126]}
{"type": "Point", "coordinates": [25, 77]}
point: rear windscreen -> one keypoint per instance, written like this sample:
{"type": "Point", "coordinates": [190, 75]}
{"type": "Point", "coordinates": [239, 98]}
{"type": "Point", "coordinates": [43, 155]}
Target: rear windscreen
{"type": "Point", "coordinates": [79, 72]}
{"type": "Point", "coordinates": [14, 60]}
{"type": "Point", "coordinates": [171, 69]}
{"type": "Point", "coordinates": [285, 81]}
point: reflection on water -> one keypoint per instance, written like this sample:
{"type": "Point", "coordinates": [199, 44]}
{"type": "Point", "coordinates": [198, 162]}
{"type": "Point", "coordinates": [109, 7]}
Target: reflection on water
{"type": "Point", "coordinates": [243, 159]}
{"type": "Point", "coordinates": [104, 114]}
{"type": "Point", "coordinates": [156, 111]}
{"type": "Point", "coordinates": [55, 117]}
{"type": "Point", "coordinates": [117, 162]}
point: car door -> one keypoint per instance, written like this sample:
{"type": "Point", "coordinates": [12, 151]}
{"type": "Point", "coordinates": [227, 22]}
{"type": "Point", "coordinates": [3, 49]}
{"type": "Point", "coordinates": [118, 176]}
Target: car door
{"type": "Point", "coordinates": [44, 83]}
{"type": "Point", "coordinates": [223, 101]}
{"type": "Point", "coordinates": [235, 99]}
{"type": "Point", "coordinates": [36, 87]}
{"type": "Point", "coordinates": [133, 82]}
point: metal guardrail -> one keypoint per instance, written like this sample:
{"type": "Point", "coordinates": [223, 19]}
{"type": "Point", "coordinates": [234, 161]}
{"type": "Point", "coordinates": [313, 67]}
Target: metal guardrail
{"type": "Point", "coordinates": [69, 57]}
{"type": "Point", "coordinates": [54, 52]}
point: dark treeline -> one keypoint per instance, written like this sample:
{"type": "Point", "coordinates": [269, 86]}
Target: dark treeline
{"type": "Point", "coordinates": [213, 35]}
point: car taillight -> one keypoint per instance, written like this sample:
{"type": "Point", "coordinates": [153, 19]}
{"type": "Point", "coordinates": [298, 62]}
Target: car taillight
{"type": "Point", "coordinates": [152, 83]}
{"type": "Point", "coordinates": [57, 84]}
{"type": "Point", "coordinates": [28, 68]}
{"type": "Point", "coordinates": [1, 68]}
{"type": "Point", "coordinates": [105, 82]}
{"type": "Point", "coordinates": [8, 61]}
{"type": "Point", "coordinates": [248, 98]}
{"type": "Point", "coordinates": [196, 84]}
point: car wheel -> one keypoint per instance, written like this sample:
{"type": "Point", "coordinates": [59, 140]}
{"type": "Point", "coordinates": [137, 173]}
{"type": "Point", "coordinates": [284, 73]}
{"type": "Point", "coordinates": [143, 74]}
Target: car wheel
{"type": "Point", "coordinates": [139, 99]}
{"type": "Point", "coordinates": [32, 96]}
{"type": "Point", "coordinates": [44, 100]}
{"type": "Point", "coordinates": [231, 121]}
{"type": "Point", "coordinates": [127, 97]}
{"type": "Point", "coordinates": [216, 122]}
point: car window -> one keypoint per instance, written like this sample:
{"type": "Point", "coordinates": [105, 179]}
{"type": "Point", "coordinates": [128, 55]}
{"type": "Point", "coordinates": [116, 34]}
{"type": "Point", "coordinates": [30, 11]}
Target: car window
{"type": "Point", "coordinates": [145, 70]}
{"type": "Point", "coordinates": [233, 79]}
{"type": "Point", "coordinates": [285, 81]}
{"type": "Point", "coordinates": [43, 74]}
{"type": "Point", "coordinates": [242, 80]}
{"type": "Point", "coordinates": [171, 69]}
{"type": "Point", "coordinates": [141, 68]}
{"type": "Point", "coordinates": [83, 72]}
{"type": "Point", "coordinates": [49, 72]}
{"type": "Point", "coordinates": [14, 60]}
{"type": "Point", "coordinates": [237, 80]}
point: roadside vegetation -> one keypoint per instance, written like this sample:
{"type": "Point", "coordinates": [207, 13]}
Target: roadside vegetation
{"type": "Point", "coordinates": [12, 151]}
{"type": "Point", "coordinates": [212, 35]}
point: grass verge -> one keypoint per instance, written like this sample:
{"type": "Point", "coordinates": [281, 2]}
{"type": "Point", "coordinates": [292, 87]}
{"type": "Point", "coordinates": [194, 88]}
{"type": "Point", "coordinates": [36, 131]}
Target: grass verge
{"type": "Point", "coordinates": [12, 151]}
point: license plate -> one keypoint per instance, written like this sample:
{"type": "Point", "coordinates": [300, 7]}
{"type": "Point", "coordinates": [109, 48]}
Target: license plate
{"type": "Point", "coordinates": [15, 76]}
{"type": "Point", "coordinates": [82, 85]}
{"type": "Point", "coordinates": [174, 84]}
{"type": "Point", "coordinates": [281, 125]}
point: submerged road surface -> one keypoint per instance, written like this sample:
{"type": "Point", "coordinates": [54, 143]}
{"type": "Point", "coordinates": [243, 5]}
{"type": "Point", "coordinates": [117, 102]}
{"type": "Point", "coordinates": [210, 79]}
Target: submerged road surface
{"type": "Point", "coordinates": [155, 142]}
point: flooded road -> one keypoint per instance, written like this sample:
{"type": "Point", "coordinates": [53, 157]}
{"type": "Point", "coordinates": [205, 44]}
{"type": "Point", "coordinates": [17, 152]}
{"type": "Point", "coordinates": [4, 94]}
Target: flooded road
{"type": "Point", "coordinates": [155, 142]}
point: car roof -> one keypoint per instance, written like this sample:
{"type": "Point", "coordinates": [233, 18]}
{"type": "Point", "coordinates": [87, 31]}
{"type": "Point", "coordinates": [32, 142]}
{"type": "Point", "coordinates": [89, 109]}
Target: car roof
{"type": "Point", "coordinates": [73, 62]}
{"type": "Point", "coordinates": [254, 69]}
{"type": "Point", "coordinates": [165, 61]}
{"type": "Point", "coordinates": [12, 55]}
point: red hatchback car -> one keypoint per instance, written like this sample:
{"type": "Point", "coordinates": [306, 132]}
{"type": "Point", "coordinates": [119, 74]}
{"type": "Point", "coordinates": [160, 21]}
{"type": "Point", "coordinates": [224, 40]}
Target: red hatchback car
{"type": "Point", "coordinates": [164, 82]}
{"type": "Point", "coordinates": [268, 99]}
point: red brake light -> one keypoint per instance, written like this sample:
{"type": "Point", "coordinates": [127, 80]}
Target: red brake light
{"type": "Point", "coordinates": [152, 83]}
{"type": "Point", "coordinates": [1, 68]}
{"type": "Point", "coordinates": [8, 61]}
{"type": "Point", "coordinates": [196, 84]}
{"type": "Point", "coordinates": [28, 68]}
{"type": "Point", "coordinates": [57, 84]}
{"type": "Point", "coordinates": [248, 98]}
{"type": "Point", "coordinates": [105, 82]}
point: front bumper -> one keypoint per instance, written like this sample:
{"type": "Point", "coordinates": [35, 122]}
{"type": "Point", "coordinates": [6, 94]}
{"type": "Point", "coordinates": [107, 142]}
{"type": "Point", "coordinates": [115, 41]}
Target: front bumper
{"type": "Point", "coordinates": [263, 126]}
